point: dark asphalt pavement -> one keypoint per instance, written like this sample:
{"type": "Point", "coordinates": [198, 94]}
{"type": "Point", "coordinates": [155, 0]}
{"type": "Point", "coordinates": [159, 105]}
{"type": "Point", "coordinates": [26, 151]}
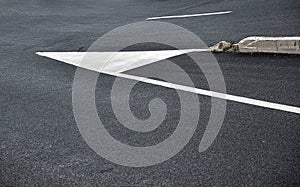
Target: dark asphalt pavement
{"type": "Point", "coordinates": [41, 144]}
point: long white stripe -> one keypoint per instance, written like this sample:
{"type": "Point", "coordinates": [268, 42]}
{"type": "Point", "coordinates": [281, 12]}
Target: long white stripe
{"type": "Point", "coordinates": [191, 15]}
{"type": "Point", "coordinates": [228, 97]}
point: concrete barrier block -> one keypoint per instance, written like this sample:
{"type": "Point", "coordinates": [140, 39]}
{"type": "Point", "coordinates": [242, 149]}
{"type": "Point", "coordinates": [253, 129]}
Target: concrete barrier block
{"type": "Point", "coordinates": [283, 45]}
{"type": "Point", "coordinates": [254, 44]}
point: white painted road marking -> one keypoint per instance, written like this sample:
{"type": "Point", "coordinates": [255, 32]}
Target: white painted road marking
{"type": "Point", "coordinates": [191, 15]}
{"type": "Point", "coordinates": [209, 93]}
{"type": "Point", "coordinates": [118, 61]}
{"type": "Point", "coordinates": [75, 58]}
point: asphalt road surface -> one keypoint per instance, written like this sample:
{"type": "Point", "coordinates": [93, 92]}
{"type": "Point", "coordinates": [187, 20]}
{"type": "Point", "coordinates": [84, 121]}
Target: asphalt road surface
{"type": "Point", "coordinates": [42, 146]}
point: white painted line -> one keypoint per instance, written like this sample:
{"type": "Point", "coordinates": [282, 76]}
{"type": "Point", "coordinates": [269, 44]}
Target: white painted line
{"type": "Point", "coordinates": [77, 57]}
{"type": "Point", "coordinates": [209, 93]}
{"type": "Point", "coordinates": [191, 15]}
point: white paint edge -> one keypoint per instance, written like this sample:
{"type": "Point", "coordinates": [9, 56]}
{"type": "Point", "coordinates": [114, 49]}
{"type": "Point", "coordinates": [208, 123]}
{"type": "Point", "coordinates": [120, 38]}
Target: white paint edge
{"type": "Point", "coordinates": [191, 15]}
{"type": "Point", "coordinates": [267, 38]}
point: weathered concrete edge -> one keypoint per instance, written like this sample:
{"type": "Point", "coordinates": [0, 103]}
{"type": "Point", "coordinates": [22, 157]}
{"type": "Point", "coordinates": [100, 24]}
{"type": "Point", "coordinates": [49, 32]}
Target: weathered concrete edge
{"type": "Point", "coordinates": [255, 44]}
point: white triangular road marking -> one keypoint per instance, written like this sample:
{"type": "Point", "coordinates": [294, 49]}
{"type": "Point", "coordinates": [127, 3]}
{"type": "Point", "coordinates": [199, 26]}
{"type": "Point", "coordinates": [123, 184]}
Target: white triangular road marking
{"type": "Point", "coordinates": [123, 61]}
{"type": "Point", "coordinates": [118, 61]}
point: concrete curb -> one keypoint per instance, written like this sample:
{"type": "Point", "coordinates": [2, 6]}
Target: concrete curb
{"type": "Point", "coordinates": [254, 44]}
